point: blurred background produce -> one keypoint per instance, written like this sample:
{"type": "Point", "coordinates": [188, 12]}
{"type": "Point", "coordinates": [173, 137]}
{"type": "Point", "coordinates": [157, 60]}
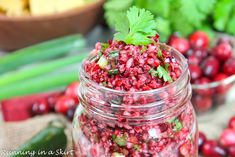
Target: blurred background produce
{"type": "Point", "coordinates": [49, 19]}
{"type": "Point", "coordinates": [181, 16]}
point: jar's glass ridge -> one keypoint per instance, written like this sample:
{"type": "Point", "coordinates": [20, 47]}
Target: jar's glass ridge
{"type": "Point", "coordinates": [158, 122]}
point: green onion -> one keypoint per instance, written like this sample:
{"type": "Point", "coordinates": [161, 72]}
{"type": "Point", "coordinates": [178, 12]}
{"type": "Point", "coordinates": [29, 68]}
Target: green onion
{"type": "Point", "coordinates": [113, 72]}
{"type": "Point", "coordinates": [103, 62]}
{"type": "Point", "coordinates": [40, 84]}
{"type": "Point", "coordinates": [41, 52]}
{"type": "Point", "coordinates": [113, 54]}
{"type": "Point", "coordinates": [13, 77]}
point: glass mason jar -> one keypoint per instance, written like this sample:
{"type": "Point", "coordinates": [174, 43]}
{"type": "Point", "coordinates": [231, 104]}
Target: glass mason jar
{"type": "Point", "coordinates": [154, 123]}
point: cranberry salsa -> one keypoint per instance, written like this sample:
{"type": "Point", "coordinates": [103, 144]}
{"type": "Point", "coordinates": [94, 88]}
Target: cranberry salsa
{"type": "Point", "coordinates": [130, 104]}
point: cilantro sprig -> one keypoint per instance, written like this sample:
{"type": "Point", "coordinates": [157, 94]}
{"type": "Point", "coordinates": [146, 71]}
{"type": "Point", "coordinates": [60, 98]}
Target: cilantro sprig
{"type": "Point", "coordinates": [161, 72]}
{"type": "Point", "coordinates": [177, 125]}
{"type": "Point", "coordinates": [137, 27]}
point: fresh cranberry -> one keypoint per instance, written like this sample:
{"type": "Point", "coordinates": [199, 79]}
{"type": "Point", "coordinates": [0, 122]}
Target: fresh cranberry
{"type": "Point", "coordinates": [225, 40]}
{"type": "Point", "coordinates": [199, 39]}
{"type": "Point", "coordinates": [52, 99]}
{"type": "Point", "coordinates": [227, 138]}
{"type": "Point", "coordinates": [201, 140]}
{"type": "Point", "coordinates": [229, 66]}
{"type": "Point", "coordinates": [231, 123]}
{"type": "Point", "coordinates": [231, 151]}
{"type": "Point", "coordinates": [64, 103]}
{"type": "Point", "coordinates": [221, 89]}
{"type": "Point", "coordinates": [40, 107]}
{"type": "Point", "coordinates": [193, 60]}
{"type": "Point", "coordinates": [222, 51]}
{"type": "Point", "coordinates": [72, 90]}
{"type": "Point", "coordinates": [210, 66]}
{"type": "Point", "coordinates": [195, 72]}
{"type": "Point", "coordinates": [180, 44]}
{"type": "Point", "coordinates": [212, 149]}
{"type": "Point", "coordinates": [70, 112]}
{"type": "Point", "coordinates": [172, 38]}
{"type": "Point", "coordinates": [199, 53]}
{"type": "Point", "coordinates": [202, 103]}
{"type": "Point", "coordinates": [205, 91]}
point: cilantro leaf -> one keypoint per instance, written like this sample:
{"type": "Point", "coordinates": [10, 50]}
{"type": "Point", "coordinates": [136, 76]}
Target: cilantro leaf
{"type": "Point", "coordinates": [177, 125]}
{"type": "Point", "coordinates": [136, 28]}
{"type": "Point", "coordinates": [161, 73]}
{"type": "Point", "coordinates": [222, 13]}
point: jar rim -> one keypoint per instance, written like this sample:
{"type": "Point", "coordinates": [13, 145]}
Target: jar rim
{"type": "Point", "coordinates": [183, 65]}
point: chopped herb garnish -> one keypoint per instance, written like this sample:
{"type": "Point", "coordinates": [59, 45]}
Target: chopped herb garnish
{"type": "Point", "coordinates": [103, 62]}
{"type": "Point", "coordinates": [104, 83]}
{"type": "Point", "coordinates": [137, 27]}
{"type": "Point", "coordinates": [143, 49]}
{"type": "Point", "coordinates": [104, 46]}
{"type": "Point", "coordinates": [121, 141]}
{"type": "Point", "coordinates": [114, 137]}
{"type": "Point", "coordinates": [159, 54]}
{"type": "Point", "coordinates": [136, 146]}
{"type": "Point", "coordinates": [113, 54]}
{"type": "Point", "coordinates": [177, 125]}
{"type": "Point", "coordinates": [113, 72]}
{"type": "Point", "coordinates": [161, 73]}
{"type": "Point", "coordinates": [116, 154]}
{"type": "Point", "coordinates": [166, 66]}
{"type": "Point", "coordinates": [99, 53]}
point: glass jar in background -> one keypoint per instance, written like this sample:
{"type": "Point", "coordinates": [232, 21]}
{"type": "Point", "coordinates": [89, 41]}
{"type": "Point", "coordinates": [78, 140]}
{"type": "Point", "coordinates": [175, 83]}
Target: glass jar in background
{"type": "Point", "coordinates": [157, 123]}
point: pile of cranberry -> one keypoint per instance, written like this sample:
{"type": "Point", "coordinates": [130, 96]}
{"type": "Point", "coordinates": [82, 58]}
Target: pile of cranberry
{"type": "Point", "coordinates": [63, 102]}
{"type": "Point", "coordinates": [206, 65]}
{"type": "Point", "coordinates": [222, 148]}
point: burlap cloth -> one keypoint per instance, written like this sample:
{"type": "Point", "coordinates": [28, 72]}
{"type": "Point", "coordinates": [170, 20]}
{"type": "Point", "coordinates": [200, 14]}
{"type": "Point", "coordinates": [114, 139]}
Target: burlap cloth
{"type": "Point", "coordinates": [14, 134]}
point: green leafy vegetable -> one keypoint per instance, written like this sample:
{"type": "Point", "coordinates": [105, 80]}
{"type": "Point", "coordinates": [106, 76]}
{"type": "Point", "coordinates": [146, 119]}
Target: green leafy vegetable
{"type": "Point", "coordinates": [136, 28]}
{"type": "Point", "coordinates": [177, 125]}
{"type": "Point", "coordinates": [161, 73]}
{"type": "Point", "coordinates": [222, 13]}
{"type": "Point", "coordinates": [159, 53]}
{"type": "Point", "coordinates": [183, 16]}
{"type": "Point", "coordinates": [104, 46]}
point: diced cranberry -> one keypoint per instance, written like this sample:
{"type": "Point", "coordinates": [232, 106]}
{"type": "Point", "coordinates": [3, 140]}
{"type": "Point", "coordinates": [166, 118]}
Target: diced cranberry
{"type": "Point", "coordinates": [199, 39]}
{"type": "Point", "coordinates": [231, 151]}
{"type": "Point", "coordinates": [202, 103]}
{"type": "Point", "coordinates": [222, 51]}
{"type": "Point", "coordinates": [212, 149]}
{"type": "Point", "coordinates": [64, 103]}
{"type": "Point", "coordinates": [195, 72]}
{"type": "Point", "coordinates": [210, 66]}
{"type": "Point", "coordinates": [72, 90]}
{"type": "Point", "coordinates": [180, 44]}
{"type": "Point", "coordinates": [231, 123]}
{"type": "Point", "coordinates": [227, 138]}
{"type": "Point", "coordinates": [201, 140]}
{"type": "Point", "coordinates": [40, 107]}
{"type": "Point", "coordinates": [229, 66]}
